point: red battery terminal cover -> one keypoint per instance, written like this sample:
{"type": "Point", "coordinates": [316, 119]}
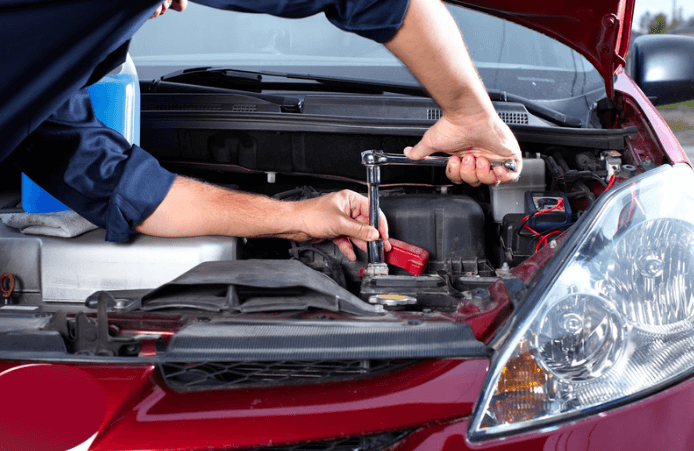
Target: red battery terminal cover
{"type": "Point", "coordinates": [409, 257]}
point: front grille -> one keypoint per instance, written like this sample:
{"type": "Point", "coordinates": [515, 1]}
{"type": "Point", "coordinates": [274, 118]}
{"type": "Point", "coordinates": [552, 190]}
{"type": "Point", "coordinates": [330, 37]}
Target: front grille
{"type": "Point", "coordinates": [220, 375]}
{"type": "Point", "coordinates": [378, 442]}
{"type": "Point", "coordinates": [513, 118]}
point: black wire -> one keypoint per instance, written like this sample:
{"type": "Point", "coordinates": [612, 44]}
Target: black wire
{"type": "Point", "coordinates": [583, 176]}
{"type": "Point", "coordinates": [334, 265]}
{"type": "Point", "coordinates": [525, 221]}
{"type": "Point", "coordinates": [286, 194]}
{"type": "Point", "coordinates": [456, 293]}
{"type": "Point", "coordinates": [599, 179]}
{"type": "Point", "coordinates": [304, 192]}
{"type": "Point", "coordinates": [300, 249]}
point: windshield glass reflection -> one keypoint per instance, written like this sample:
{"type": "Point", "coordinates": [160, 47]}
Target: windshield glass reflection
{"type": "Point", "coordinates": [509, 57]}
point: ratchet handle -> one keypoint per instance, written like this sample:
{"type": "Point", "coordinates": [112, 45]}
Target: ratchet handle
{"type": "Point", "coordinates": [380, 158]}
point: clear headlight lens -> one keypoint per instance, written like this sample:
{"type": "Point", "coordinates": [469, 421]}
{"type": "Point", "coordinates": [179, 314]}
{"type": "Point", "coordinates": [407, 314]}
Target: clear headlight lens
{"type": "Point", "coordinates": [616, 321]}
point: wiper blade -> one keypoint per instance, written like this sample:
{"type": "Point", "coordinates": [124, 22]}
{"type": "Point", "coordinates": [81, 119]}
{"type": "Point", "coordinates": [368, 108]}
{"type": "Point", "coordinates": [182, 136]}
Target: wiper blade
{"type": "Point", "coordinates": [537, 109]}
{"type": "Point", "coordinates": [219, 77]}
{"type": "Point", "coordinates": [287, 104]}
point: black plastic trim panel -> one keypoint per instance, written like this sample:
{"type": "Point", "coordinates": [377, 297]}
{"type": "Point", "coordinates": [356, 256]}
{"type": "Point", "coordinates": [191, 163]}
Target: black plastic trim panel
{"type": "Point", "coordinates": [244, 340]}
{"type": "Point", "coordinates": [583, 137]}
{"type": "Point", "coordinates": [277, 122]}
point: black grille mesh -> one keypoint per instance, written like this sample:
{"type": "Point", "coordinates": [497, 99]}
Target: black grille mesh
{"type": "Point", "coordinates": [506, 116]}
{"type": "Point", "coordinates": [513, 118]}
{"type": "Point", "coordinates": [377, 442]}
{"type": "Point", "coordinates": [434, 114]}
{"type": "Point", "coordinates": [244, 108]}
{"type": "Point", "coordinates": [219, 375]}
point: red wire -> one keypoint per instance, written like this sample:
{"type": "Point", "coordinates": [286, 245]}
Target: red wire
{"type": "Point", "coordinates": [528, 227]}
{"type": "Point", "coordinates": [560, 204]}
{"type": "Point", "coordinates": [545, 239]}
{"type": "Point", "coordinates": [611, 182]}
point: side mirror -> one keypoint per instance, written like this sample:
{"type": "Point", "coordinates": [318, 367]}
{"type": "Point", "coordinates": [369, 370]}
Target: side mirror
{"type": "Point", "coordinates": [663, 67]}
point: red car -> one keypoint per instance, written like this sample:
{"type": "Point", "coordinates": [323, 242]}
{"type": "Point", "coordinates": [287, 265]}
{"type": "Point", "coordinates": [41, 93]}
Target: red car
{"type": "Point", "coordinates": [552, 313]}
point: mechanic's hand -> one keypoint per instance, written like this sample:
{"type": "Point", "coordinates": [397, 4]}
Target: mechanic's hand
{"type": "Point", "coordinates": [473, 142]}
{"type": "Point", "coordinates": [342, 217]}
{"type": "Point", "coordinates": [176, 5]}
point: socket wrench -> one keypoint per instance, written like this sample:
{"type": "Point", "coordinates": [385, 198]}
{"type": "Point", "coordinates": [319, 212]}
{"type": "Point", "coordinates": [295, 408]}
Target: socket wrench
{"type": "Point", "coordinates": [373, 160]}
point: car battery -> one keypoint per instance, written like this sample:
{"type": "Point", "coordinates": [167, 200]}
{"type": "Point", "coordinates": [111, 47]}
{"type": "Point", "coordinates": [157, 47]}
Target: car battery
{"type": "Point", "coordinates": [516, 244]}
{"type": "Point", "coordinates": [547, 211]}
{"type": "Point", "coordinates": [522, 234]}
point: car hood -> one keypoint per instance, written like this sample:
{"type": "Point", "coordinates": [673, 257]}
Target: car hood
{"type": "Point", "coordinates": [598, 29]}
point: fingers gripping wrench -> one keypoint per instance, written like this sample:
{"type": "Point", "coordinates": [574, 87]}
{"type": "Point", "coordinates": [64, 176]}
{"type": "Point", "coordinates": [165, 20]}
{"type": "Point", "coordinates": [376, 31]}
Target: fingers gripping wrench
{"type": "Point", "coordinates": [373, 160]}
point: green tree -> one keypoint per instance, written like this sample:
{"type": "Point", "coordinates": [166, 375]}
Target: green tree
{"type": "Point", "coordinates": [658, 24]}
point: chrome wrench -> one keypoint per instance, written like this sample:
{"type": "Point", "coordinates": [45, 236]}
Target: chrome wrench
{"type": "Point", "coordinates": [373, 160]}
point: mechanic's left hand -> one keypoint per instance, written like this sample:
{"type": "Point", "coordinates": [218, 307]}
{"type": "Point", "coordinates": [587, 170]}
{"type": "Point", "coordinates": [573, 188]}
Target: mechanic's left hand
{"type": "Point", "coordinates": [342, 217]}
{"type": "Point", "coordinates": [176, 5]}
{"type": "Point", "coordinates": [473, 142]}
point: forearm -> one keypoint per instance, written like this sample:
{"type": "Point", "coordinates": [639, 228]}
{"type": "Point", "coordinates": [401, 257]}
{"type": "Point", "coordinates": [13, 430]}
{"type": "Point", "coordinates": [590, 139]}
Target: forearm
{"type": "Point", "coordinates": [193, 208]}
{"type": "Point", "coordinates": [431, 46]}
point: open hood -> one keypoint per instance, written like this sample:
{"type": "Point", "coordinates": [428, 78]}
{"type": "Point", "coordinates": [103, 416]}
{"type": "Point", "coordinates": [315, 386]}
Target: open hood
{"type": "Point", "coordinates": [598, 29]}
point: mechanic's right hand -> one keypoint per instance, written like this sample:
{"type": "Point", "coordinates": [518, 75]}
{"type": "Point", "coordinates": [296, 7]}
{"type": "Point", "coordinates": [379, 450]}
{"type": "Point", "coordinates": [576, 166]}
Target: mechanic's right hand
{"type": "Point", "coordinates": [342, 217]}
{"type": "Point", "coordinates": [473, 142]}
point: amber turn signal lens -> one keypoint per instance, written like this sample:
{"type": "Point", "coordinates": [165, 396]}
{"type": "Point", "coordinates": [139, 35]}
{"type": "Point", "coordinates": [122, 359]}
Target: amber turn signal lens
{"type": "Point", "coordinates": [522, 390]}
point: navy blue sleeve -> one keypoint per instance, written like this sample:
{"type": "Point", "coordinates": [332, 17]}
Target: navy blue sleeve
{"type": "Point", "coordinates": [93, 169]}
{"type": "Point", "coordinates": [378, 20]}
{"type": "Point", "coordinates": [51, 49]}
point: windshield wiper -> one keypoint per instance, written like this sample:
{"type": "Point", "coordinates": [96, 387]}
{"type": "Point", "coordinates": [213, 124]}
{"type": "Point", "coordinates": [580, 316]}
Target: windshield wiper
{"type": "Point", "coordinates": [218, 77]}
{"type": "Point", "coordinates": [537, 109]}
{"type": "Point", "coordinates": [287, 104]}
{"type": "Point", "coordinates": [246, 81]}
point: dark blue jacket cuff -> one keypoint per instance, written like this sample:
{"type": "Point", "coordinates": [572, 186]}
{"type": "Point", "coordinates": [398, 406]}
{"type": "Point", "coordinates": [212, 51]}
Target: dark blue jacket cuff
{"type": "Point", "coordinates": [142, 187]}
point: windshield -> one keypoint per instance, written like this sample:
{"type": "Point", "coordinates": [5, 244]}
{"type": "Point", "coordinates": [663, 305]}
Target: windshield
{"type": "Point", "coordinates": [509, 57]}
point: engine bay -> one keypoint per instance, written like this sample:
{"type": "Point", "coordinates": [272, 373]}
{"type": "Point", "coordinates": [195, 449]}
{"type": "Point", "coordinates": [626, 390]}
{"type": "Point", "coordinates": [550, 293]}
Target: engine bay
{"type": "Point", "coordinates": [458, 240]}
{"type": "Point", "coordinates": [471, 237]}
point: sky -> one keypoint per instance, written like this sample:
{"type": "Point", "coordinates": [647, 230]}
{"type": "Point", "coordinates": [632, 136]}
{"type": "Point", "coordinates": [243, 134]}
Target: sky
{"type": "Point", "coordinates": [657, 6]}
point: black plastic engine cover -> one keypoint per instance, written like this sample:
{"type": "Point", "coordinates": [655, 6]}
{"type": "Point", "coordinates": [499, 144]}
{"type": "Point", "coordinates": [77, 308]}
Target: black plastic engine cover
{"type": "Point", "coordinates": [450, 228]}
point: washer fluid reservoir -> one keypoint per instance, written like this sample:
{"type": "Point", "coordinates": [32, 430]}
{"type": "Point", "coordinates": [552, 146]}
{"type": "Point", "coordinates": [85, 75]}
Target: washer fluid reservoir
{"type": "Point", "coordinates": [116, 101]}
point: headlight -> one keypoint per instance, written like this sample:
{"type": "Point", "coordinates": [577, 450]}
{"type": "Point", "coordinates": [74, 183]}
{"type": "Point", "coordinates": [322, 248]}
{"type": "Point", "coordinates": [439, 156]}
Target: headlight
{"type": "Point", "coordinates": [611, 322]}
